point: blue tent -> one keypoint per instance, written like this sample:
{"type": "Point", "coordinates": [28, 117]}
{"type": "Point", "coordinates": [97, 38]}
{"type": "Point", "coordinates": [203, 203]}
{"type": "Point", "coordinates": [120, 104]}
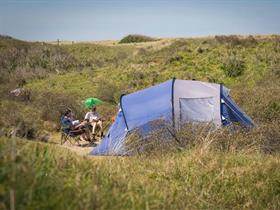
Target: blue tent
{"type": "Point", "coordinates": [175, 102]}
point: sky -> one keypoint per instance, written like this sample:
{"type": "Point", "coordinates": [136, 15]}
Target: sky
{"type": "Point", "coordinates": [84, 20]}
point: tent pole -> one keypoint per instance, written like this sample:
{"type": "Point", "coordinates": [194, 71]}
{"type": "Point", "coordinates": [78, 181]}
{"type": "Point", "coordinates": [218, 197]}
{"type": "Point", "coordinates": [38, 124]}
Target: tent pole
{"type": "Point", "coordinates": [221, 94]}
{"type": "Point", "coordinates": [123, 111]}
{"type": "Point", "coordinates": [172, 98]}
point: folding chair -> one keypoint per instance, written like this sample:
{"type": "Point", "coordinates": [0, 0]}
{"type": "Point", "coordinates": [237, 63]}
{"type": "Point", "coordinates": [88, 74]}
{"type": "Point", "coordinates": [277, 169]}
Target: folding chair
{"type": "Point", "coordinates": [67, 137]}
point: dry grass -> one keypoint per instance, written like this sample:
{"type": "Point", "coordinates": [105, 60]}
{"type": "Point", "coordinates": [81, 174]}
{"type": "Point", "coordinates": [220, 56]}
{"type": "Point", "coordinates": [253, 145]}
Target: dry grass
{"type": "Point", "coordinates": [49, 177]}
{"type": "Point", "coordinates": [265, 138]}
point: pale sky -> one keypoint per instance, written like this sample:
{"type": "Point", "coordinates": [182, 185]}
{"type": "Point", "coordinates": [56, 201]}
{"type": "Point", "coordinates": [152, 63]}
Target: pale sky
{"type": "Point", "coordinates": [46, 20]}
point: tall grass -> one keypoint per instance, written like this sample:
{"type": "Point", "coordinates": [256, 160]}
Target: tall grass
{"type": "Point", "coordinates": [49, 177]}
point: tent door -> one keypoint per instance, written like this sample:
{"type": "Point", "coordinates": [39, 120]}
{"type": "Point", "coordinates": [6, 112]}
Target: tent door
{"type": "Point", "coordinates": [196, 110]}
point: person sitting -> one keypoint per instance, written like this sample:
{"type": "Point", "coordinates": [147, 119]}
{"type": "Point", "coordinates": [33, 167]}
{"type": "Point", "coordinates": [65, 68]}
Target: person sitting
{"type": "Point", "coordinates": [95, 121]}
{"type": "Point", "coordinates": [73, 127]}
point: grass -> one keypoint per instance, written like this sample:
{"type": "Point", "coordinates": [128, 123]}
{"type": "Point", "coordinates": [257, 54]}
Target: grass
{"type": "Point", "coordinates": [159, 65]}
{"type": "Point", "coordinates": [48, 177]}
{"type": "Point", "coordinates": [67, 74]}
{"type": "Point", "coordinates": [226, 170]}
{"type": "Point", "coordinates": [107, 71]}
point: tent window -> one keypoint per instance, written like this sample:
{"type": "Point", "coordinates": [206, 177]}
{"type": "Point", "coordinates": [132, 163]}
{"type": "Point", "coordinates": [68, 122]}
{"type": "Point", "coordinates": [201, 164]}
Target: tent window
{"type": "Point", "coordinates": [196, 109]}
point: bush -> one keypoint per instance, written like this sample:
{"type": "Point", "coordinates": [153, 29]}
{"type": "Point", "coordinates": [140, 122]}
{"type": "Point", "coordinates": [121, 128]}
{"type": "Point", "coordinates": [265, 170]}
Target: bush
{"type": "Point", "coordinates": [176, 58]}
{"type": "Point", "coordinates": [136, 38]}
{"type": "Point", "coordinates": [108, 91]}
{"type": "Point", "coordinates": [53, 105]}
{"type": "Point", "coordinates": [234, 40]}
{"type": "Point", "coordinates": [233, 65]}
{"type": "Point", "coordinates": [200, 50]}
{"type": "Point", "coordinates": [274, 66]}
{"type": "Point", "coordinates": [261, 102]}
{"type": "Point", "coordinates": [136, 78]}
{"type": "Point", "coordinates": [275, 107]}
{"type": "Point", "coordinates": [29, 61]}
{"type": "Point", "coordinates": [5, 37]}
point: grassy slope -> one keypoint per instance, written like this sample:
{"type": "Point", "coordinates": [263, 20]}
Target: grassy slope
{"type": "Point", "coordinates": [109, 71]}
{"type": "Point", "coordinates": [137, 67]}
{"type": "Point", "coordinates": [51, 177]}
{"type": "Point", "coordinates": [48, 177]}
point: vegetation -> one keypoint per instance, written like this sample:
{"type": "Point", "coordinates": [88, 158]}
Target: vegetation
{"type": "Point", "coordinates": [67, 74]}
{"type": "Point", "coordinates": [49, 177]}
{"type": "Point", "coordinates": [136, 38]}
{"type": "Point", "coordinates": [233, 66]}
{"type": "Point", "coordinates": [227, 169]}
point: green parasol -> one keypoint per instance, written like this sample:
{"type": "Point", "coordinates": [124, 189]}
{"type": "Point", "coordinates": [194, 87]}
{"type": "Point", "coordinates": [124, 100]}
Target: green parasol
{"type": "Point", "coordinates": [91, 102]}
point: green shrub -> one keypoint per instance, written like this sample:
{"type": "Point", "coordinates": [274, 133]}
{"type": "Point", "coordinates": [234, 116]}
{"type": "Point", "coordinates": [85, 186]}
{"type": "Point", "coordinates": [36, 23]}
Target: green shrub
{"type": "Point", "coordinates": [53, 105]}
{"type": "Point", "coordinates": [136, 38]}
{"type": "Point", "coordinates": [233, 65]}
{"type": "Point", "coordinates": [176, 58]}
{"type": "Point", "coordinates": [200, 50]}
{"type": "Point", "coordinates": [275, 106]}
{"type": "Point", "coordinates": [108, 91]}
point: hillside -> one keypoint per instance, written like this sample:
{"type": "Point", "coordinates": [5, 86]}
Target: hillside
{"type": "Point", "coordinates": [66, 74]}
{"type": "Point", "coordinates": [224, 170]}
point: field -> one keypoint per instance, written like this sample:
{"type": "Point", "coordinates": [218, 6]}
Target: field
{"type": "Point", "coordinates": [225, 170]}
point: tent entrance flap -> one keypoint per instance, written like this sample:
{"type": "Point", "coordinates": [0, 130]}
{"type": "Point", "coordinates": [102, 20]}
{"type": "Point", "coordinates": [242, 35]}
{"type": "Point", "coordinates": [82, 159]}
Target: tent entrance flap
{"type": "Point", "coordinates": [200, 98]}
